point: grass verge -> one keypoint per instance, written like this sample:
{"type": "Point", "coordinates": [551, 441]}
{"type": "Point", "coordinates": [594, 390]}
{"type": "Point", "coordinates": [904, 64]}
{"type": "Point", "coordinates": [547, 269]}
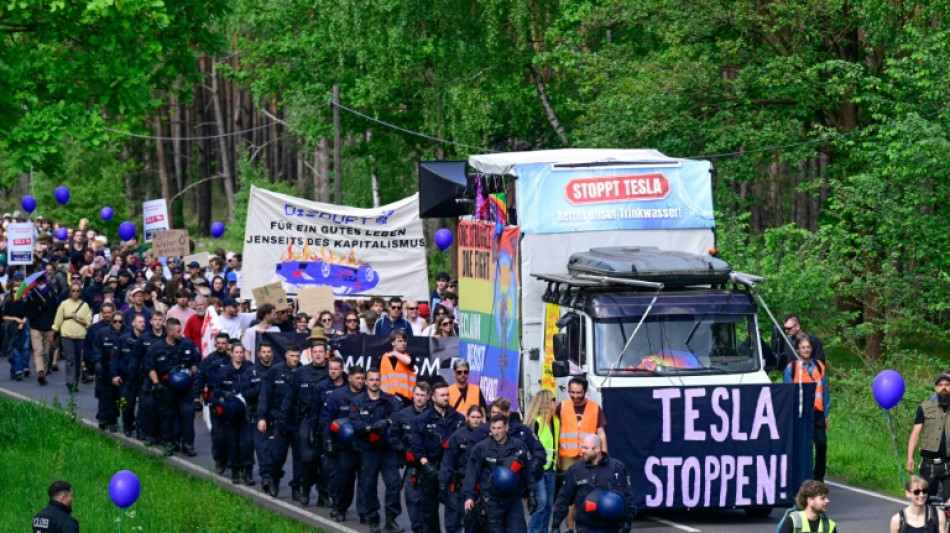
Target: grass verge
{"type": "Point", "coordinates": [40, 445]}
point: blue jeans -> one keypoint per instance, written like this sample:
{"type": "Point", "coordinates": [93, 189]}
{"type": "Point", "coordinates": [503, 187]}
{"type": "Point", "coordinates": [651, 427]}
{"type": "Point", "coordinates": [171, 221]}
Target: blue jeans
{"type": "Point", "coordinates": [20, 352]}
{"type": "Point", "coordinates": [541, 519]}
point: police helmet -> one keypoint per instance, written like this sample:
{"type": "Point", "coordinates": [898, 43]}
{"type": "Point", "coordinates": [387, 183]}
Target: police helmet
{"type": "Point", "coordinates": [234, 408]}
{"type": "Point", "coordinates": [606, 505]}
{"type": "Point", "coordinates": [180, 379]}
{"type": "Point", "coordinates": [343, 430]}
{"type": "Point", "coordinates": [504, 480]}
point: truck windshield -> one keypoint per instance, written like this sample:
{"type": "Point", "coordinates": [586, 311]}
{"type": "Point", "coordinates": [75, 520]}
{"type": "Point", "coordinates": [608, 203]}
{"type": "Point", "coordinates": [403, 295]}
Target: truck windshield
{"type": "Point", "coordinates": [676, 344]}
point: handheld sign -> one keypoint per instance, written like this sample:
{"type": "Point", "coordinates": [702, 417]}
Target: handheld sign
{"type": "Point", "coordinates": [272, 293]}
{"type": "Point", "coordinates": [312, 300]}
{"type": "Point", "coordinates": [170, 242]}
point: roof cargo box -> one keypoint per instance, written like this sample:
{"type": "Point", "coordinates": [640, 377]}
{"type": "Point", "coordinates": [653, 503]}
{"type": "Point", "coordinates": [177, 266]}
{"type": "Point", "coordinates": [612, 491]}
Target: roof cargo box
{"type": "Point", "coordinates": [650, 263]}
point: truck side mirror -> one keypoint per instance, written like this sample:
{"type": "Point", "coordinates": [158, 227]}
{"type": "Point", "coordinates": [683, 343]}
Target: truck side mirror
{"type": "Point", "coordinates": [560, 369]}
{"type": "Point", "coordinates": [562, 349]}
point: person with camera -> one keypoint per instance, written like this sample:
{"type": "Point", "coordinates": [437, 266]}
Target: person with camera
{"type": "Point", "coordinates": [920, 516]}
{"type": "Point", "coordinates": [171, 364]}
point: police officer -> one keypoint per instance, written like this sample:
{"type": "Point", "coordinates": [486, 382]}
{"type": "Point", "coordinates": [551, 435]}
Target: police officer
{"type": "Point", "coordinates": [104, 349]}
{"type": "Point", "coordinates": [371, 421]}
{"type": "Point", "coordinates": [146, 419]}
{"type": "Point", "coordinates": [400, 438]}
{"type": "Point", "coordinates": [537, 455]}
{"type": "Point", "coordinates": [234, 426]}
{"type": "Point", "coordinates": [277, 386]}
{"type": "Point", "coordinates": [326, 480]}
{"type": "Point", "coordinates": [121, 372]}
{"type": "Point", "coordinates": [170, 354]}
{"type": "Point", "coordinates": [106, 310]}
{"type": "Point", "coordinates": [297, 407]}
{"type": "Point", "coordinates": [430, 436]}
{"type": "Point", "coordinates": [251, 389]}
{"type": "Point", "coordinates": [57, 516]}
{"type": "Point", "coordinates": [595, 471]}
{"type": "Point", "coordinates": [452, 471]}
{"type": "Point", "coordinates": [496, 476]}
{"type": "Point", "coordinates": [338, 406]}
{"type": "Point", "coordinates": [203, 392]}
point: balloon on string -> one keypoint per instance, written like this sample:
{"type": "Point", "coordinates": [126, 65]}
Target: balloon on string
{"type": "Point", "coordinates": [443, 238]}
{"type": "Point", "coordinates": [62, 194]}
{"type": "Point", "coordinates": [217, 230]}
{"type": "Point", "coordinates": [124, 488]}
{"type": "Point", "coordinates": [126, 231]}
{"type": "Point", "coordinates": [106, 213]}
{"type": "Point", "coordinates": [28, 203]}
{"type": "Point", "coordinates": [61, 234]}
{"type": "Point", "coordinates": [888, 388]}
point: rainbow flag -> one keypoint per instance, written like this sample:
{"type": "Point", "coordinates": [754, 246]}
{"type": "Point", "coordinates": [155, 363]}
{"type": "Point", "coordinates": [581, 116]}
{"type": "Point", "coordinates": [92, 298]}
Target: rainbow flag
{"type": "Point", "coordinates": [669, 359]}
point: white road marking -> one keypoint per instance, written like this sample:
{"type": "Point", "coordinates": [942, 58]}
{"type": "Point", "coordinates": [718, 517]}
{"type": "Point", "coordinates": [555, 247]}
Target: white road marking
{"type": "Point", "coordinates": [670, 523]}
{"type": "Point", "coordinates": [866, 492]}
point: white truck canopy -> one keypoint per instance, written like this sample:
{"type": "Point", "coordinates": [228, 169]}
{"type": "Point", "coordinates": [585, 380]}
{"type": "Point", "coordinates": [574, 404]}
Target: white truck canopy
{"type": "Point", "coordinates": [505, 163]}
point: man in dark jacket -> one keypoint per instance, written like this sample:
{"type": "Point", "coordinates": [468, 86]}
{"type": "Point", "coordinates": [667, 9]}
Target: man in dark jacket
{"type": "Point", "coordinates": [41, 304]}
{"type": "Point", "coordinates": [430, 433]}
{"type": "Point", "coordinates": [251, 388]}
{"type": "Point", "coordinates": [122, 375]}
{"type": "Point", "coordinates": [595, 472]}
{"type": "Point", "coordinates": [277, 384]}
{"type": "Point", "coordinates": [496, 476]}
{"type": "Point", "coordinates": [104, 348]}
{"type": "Point", "coordinates": [57, 516]}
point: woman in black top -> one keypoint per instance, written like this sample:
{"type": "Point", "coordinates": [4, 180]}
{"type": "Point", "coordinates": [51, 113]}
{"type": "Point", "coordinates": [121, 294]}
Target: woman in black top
{"type": "Point", "coordinates": [919, 516]}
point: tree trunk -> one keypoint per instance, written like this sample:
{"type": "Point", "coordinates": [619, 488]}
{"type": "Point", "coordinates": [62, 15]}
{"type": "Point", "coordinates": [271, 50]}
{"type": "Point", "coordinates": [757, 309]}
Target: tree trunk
{"type": "Point", "coordinates": [549, 112]}
{"type": "Point", "coordinates": [321, 176]}
{"type": "Point", "coordinates": [222, 142]}
{"type": "Point", "coordinates": [169, 186]}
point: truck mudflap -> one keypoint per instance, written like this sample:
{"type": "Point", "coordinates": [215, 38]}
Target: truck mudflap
{"type": "Point", "coordinates": [732, 446]}
{"type": "Point", "coordinates": [649, 263]}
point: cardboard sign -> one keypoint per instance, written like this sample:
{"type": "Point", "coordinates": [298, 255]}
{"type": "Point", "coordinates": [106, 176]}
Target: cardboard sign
{"type": "Point", "coordinates": [170, 242]}
{"type": "Point", "coordinates": [272, 293]}
{"type": "Point", "coordinates": [312, 300]}
{"type": "Point", "coordinates": [203, 258]}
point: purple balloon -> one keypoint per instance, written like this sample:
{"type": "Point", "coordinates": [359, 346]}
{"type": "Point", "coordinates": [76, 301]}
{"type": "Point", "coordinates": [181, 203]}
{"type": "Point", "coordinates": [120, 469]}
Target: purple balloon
{"type": "Point", "coordinates": [62, 234]}
{"type": "Point", "coordinates": [28, 203]}
{"type": "Point", "coordinates": [888, 388]}
{"type": "Point", "coordinates": [62, 194]}
{"type": "Point", "coordinates": [126, 230]}
{"type": "Point", "coordinates": [217, 230]}
{"type": "Point", "coordinates": [106, 213]}
{"type": "Point", "coordinates": [443, 238]}
{"type": "Point", "coordinates": [124, 488]}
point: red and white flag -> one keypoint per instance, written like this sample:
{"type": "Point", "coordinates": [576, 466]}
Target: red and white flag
{"type": "Point", "coordinates": [209, 328]}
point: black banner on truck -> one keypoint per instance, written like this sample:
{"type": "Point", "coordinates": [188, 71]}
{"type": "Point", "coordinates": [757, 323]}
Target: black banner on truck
{"type": "Point", "coordinates": [713, 446]}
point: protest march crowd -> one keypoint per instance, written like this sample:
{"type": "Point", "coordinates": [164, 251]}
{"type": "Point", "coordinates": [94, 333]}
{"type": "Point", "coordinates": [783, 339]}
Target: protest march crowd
{"type": "Point", "coordinates": [164, 340]}
{"type": "Point", "coordinates": [139, 329]}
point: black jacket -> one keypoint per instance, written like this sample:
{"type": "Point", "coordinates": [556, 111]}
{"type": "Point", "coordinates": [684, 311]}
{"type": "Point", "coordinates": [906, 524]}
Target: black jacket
{"type": "Point", "coordinates": [582, 478]}
{"type": "Point", "coordinates": [484, 458]}
{"type": "Point", "coordinates": [55, 518]}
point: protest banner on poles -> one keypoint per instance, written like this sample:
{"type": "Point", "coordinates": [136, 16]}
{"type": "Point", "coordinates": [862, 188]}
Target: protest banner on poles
{"type": "Point", "coordinates": [356, 252]}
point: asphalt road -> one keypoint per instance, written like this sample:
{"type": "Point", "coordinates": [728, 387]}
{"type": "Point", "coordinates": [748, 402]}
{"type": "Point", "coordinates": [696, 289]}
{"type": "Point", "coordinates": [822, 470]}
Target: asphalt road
{"type": "Point", "coordinates": [854, 510]}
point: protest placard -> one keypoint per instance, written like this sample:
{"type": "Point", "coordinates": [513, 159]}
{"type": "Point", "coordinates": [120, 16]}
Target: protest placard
{"type": "Point", "coordinates": [155, 217]}
{"type": "Point", "coordinates": [272, 293]}
{"type": "Point", "coordinates": [203, 258]}
{"type": "Point", "coordinates": [312, 300]}
{"type": "Point", "coordinates": [170, 242]}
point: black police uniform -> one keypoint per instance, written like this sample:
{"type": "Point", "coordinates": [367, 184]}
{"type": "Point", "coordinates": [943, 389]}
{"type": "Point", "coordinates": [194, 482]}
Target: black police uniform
{"type": "Point", "coordinates": [251, 389]}
{"type": "Point", "coordinates": [451, 474]}
{"type": "Point", "coordinates": [338, 405]}
{"type": "Point", "coordinates": [295, 408]}
{"type": "Point", "coordinates": [146, 419]}
{"type": "Point", "coordinates": [325, 468]}
{"type": "Point", "coordinates": [400, 439]}
{"type": "Point", "coordinates": [430, 437]}
{"type": "Point", "coordinates": [580, 480]}
{"type": "Point", "coordinates": [55, 518]}
{"type": "Point", "coordinates": [203, 391]}
{"type": "Point", "coordinates": [376, 456]}
{"type": "Point", "coordinates": [88, 340]}
{"type": "Point", "coordinates": [235, 431]}
{"type": "Point", "coordinates": [536, 452]}
{"type": "Point", "coordinates": [499, 512]}
{"type": "Point", "coordinates": [276, 387]}
{"type": "Point", "coordinates": [174, 407]}
{"type": "Point", "coordinates": [104, 349]}
{"type": "Point", "coordinates": [121, 367]}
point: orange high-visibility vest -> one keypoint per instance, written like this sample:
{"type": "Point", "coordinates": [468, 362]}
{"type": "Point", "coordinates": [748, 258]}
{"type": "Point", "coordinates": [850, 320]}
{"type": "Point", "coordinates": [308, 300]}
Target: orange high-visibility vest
{"type": "Point", "coordinates": [569, 440]}
{"type": "Point", "coordinates": [471, 397]}
{"type": "Point", "coordinates": [399, 379]}
{"type": "Point", "coordinates": [811, 377]}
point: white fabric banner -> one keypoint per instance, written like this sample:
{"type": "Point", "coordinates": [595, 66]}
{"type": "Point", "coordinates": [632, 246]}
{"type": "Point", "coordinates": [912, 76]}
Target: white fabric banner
{"type": "Point", "coordinates": [20, 243]}
{"type": "Point", "coordinates": [356, 252]}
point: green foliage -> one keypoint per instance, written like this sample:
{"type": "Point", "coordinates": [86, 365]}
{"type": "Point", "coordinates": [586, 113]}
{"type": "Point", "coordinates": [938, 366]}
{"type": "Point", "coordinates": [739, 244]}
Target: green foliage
{"type": "Point", "coordinates": [249, 176]}
{"type": "Point", "coordinates": [88, 460]}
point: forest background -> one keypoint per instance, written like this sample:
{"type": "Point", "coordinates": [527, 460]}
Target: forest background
{"type": "Point", "coordinates": [826, 120]}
